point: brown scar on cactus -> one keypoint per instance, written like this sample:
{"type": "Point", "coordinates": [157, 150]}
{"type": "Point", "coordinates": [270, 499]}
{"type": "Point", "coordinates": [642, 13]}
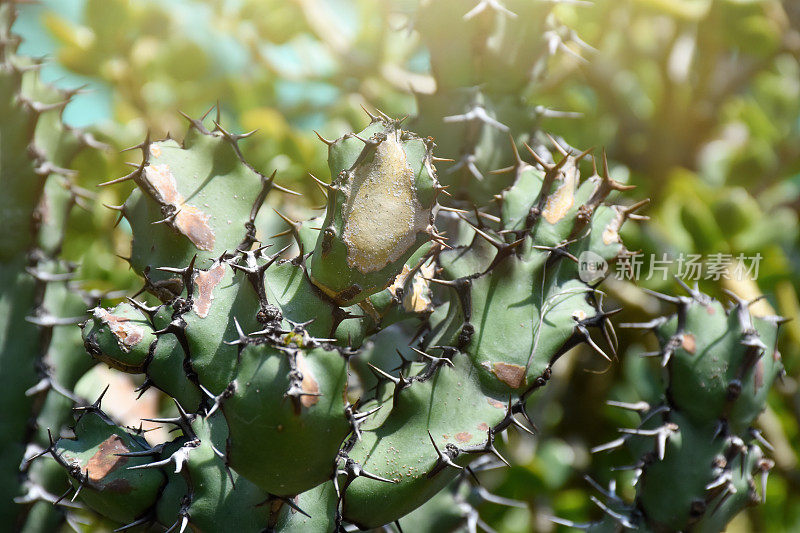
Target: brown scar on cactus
{"type": "Point", "coordinates": [188, 219]}
{"type": "Point", "coordinates": [400, 280]}
{"type": "Point", "coordinates": [128, 334]}
{"type": "Point", "coordinates": [510, 374]}
{"type": "Point", "coordinates": [206, 281]}
{"type": "Point", "coordinates": [106, 460]}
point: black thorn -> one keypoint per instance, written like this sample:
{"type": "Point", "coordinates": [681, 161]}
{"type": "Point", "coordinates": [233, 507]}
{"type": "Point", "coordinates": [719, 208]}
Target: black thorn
{"type": "Point", "coordinates": [444, 459]}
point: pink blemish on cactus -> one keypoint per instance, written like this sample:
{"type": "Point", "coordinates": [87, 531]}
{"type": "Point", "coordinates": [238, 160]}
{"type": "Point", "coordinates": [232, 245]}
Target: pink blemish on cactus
{"type": "Point", "coordinates": [496, 404]}
{"type": "Point", "coordinates": [510, 374]}
{"type": "Point", "coordinates": [161, 179]}
{"type": "Point", "coordinates": [194, 224]}
{"type": "Point", "coordinates": [689, 343]}
{"type": "Point", "coordinates": [205, 282]}
{"type": "Point", "coordinates": [128, 334]}
{"type": "Point", "coordinates": [464, 436]}
{"type": "Point", "coordinates": [758, 376]}
{"type": "Point", "coordinates": [309, 384]}
{"type": "Point", "coordinates": [189, 220]}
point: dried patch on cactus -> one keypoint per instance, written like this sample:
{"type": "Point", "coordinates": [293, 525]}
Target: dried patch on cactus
{"type": "Point", "coordinates": [309, 384]}
{"type": "Point", "coordinates": [383, 215]}
{"type": "Point", "coordinates": [510, 374]}
{"type": "Point", "coordinates": [418, 299]}
{"type": "Point", "coordinates": [205, 282]}
{"type": "Point", "coordinates": [106, 460]}
{"type": "Point", "coordinates": [163, 182]}
{"type": "Point", "coordinates": [400, 280]}
{"type": "Point", "coordinates": [689, 343]}
{"type": "Point", "coordinates": [189, 219]}
{"type": "Point", "coordinates": [128, 334]}
{"type": "Point", "coordinates": [43, 211]}
{"type": "Point", "coordinates": [758, 376]}
{"type": "Point", "coordinates": [496, 404]}
{"type": "Point", "coordinates": [611, 232]}
{"type": "Point", "coordinates": [463, 436]}
{"type": "Point", "coordinates": [417, 293]}
{"type": "Point", "coordinates": [559, 203]}
{"type": "Point", "coordinates": [193, 223]}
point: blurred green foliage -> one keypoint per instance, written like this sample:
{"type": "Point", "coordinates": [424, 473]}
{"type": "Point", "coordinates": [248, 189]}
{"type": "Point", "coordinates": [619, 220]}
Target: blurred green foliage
{"type": "Point", "coordinates": [697, 102]}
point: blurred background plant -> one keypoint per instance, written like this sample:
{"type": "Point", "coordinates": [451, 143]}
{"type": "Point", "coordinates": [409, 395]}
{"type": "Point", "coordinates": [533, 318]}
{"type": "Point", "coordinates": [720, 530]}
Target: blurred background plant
{"type": "Point", "coordinates": [696, 102]}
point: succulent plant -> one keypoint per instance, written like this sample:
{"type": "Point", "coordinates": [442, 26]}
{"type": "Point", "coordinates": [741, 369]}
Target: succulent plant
{"type": "Point", "coordinates": [484, 58]}
{"type": "Point", "coordinates": [41, 352]}
{"type": "Point", "coordinates": [254, 346]}
{"type": "Point", "coordinates": [698, 457]}
{"type": "Point", "coordinates": [362, 374]}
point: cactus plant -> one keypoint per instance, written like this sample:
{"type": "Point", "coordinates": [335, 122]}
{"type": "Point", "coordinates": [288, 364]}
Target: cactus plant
{"type": "Point", "coordinates": [698, 435]}
{"type": "Point", "coordinates": [279, 361]}
{"type": "Point", "coordinates": [255, 347]}
{"type": "Point", "coordinates": [41, 352]}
